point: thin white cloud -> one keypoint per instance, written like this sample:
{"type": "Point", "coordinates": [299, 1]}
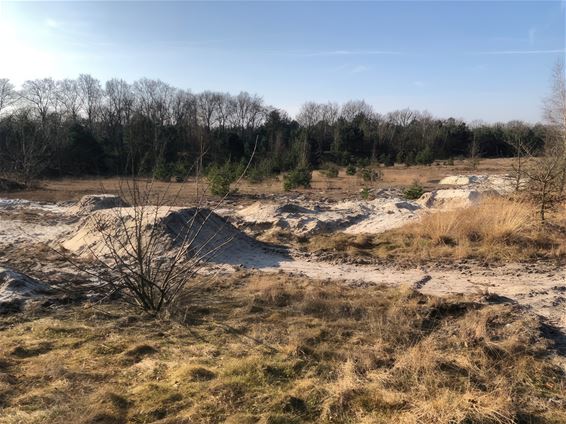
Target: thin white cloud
{"type": "Point", "coordinates": [418, 83]}
{"type": "Point", "coordinates": [347, 53]}
{"type": "Point", "coordinates": [518, 52]}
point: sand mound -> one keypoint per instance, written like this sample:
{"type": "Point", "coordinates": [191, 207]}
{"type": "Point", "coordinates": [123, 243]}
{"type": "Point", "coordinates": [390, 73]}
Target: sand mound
{"type": "Point", "coordinates": [350, 216]}
{"type": "Point", "coordinates": [501, 184]}
{"type": "Point", "coordinates": [384, 215]}
{"type": "Point", "coordinates": [271, 213]}
{"type": "Point", "coordinates": [95, 202]}
{"type": "Point", "coordinates": [450, 198]}
{"type": "Point", "coordinates": [206, 234]}
{"type": "Point", "coordinates": [16, 289]}
{"type": "Point", "coordinates": [458, 180]}
{"type": "Point", "coordinates": [299, 219]}
{"type": "Point", "coordinates": [209, 232]}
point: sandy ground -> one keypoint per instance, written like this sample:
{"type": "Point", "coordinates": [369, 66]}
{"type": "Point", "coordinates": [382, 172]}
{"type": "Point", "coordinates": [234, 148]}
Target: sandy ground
{"type": "Point", "coordinates": [306, 218]}
{"type": "Point", "coordinates": [537, 286]}
{"type": "Point", "coordinates": [23, 221]}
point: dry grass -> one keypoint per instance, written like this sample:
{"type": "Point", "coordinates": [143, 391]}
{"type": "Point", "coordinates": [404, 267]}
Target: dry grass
{"type": "Point", "coordinates": [497, 229]}
{"type": "Point", "coordinates": [64, 189]}
{"type": "Point", "coordinates": [275, 349]}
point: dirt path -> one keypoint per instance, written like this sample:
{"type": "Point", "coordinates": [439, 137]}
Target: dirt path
{"type": "Point", "coordinates": [543, 292]}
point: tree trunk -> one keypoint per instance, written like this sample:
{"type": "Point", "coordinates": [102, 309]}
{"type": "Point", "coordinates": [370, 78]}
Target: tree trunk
{"type": "Point", "coordinates": [543, 202]}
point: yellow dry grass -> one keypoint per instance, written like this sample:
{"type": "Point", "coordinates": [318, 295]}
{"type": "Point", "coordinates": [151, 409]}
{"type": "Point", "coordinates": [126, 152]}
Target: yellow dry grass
{"type": "Point", "coordinates": [276, 349]}
{"type": "Point", "coordinates": [496, 229]}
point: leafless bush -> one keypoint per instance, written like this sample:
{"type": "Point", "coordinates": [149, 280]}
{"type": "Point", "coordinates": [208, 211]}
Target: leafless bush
{"type": "Point", "coordinates": [150, 251]}
{"type": "Point", "coordinates": [137, 255]}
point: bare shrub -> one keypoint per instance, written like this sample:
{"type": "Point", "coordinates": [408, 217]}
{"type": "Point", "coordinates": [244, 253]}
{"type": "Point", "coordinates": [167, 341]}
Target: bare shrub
{"type": "Point", "coordinates": [144, 253]}
{"type": "Point", "coordinates": [150, 251]}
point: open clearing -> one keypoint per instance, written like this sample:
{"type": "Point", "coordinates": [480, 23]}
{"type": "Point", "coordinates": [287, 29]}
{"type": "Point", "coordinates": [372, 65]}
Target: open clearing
{"type": "Point", "coordinates": [344, 186]}
{"type": "Point", "coordinates": [320, 308]}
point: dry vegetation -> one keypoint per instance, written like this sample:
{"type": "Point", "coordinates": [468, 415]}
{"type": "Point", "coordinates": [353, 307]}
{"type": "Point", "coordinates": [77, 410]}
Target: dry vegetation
{"type": "Point", "coordinates": [497, 229]}
{"type": "Point", "coordinates": [276, 349]}
{"type": "Point", "coordinates": [398, 176]}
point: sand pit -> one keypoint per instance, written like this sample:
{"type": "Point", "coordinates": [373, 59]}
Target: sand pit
{"type": "Point", "coordinates": [470, 190]}
{"type": "Point", "coordinates": [351, 217]}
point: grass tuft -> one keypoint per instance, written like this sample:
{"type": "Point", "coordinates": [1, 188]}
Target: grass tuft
{"type": "Point", "coordinates": [327, 353]}
{"type": "Point", "coordinates": [495, 230]}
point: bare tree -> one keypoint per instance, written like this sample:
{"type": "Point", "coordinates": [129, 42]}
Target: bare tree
{"type": "Point", "coordinates": [208, 104]}
{"type": "Point", "coordinates": [246, 111]}
{"type": "Point", "coordinates": [329, 113]}
{"type": "Point", "coordinates": [40, 94]}
{"type": "Point", "coordinates": [208, 108]}
{"type": "Point", "coordinates": [91, 96]}
{"type": "Point", "coordinates": [403, 118]}
{"type": "Point", "coordinates": [154, 100]}
{"type": "Point", "coordinates": [547, 173]}
{"type": "Point", "coordinates": [427, 127]}
{"type": "Point", "coordinates": [24, 153]}
{"type": "Point", "coordinates": [185, 116]}
{"type": "Point", "coordinates": [309, 115]}
{"type": "Point", "coordinates": [516, 136]}
{"type": "Point", "coordinates": [224, 109]}
{"type": "Point", "coordinates": [68, 96]}
{"type": "Point", "coordinates": [129, 253]}
{"type": "Point", "coordinates": [475, 151]}
{"type": "Point", "coordinates": [383, 129]}
{"type": "Point", "coordinates": [119, 100]}
{"type": "Point", "coordinates": [7, 93]}
{"type": "Point", "coordinates": [354, 108]}
{"type": "Point", "coordinates": [555, 115]}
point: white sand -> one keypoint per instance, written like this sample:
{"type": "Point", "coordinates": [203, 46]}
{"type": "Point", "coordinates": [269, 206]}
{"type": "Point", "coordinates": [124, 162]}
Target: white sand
{"type": "Point", "coordinates": [351, 217]}
{"type": "Point", "coordinates": [501, 184]}
{"type": "Point", "coordinates": [545, 293]}
{"type": "Point", "coordinates": [17, 288]}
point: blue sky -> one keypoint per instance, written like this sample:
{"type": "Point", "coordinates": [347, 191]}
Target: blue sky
{"type": "Point", "coordinates": [474, 60]}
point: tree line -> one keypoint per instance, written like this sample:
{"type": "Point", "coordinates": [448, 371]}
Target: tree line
{"type": "Point", "coordinates": [84, 127]}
